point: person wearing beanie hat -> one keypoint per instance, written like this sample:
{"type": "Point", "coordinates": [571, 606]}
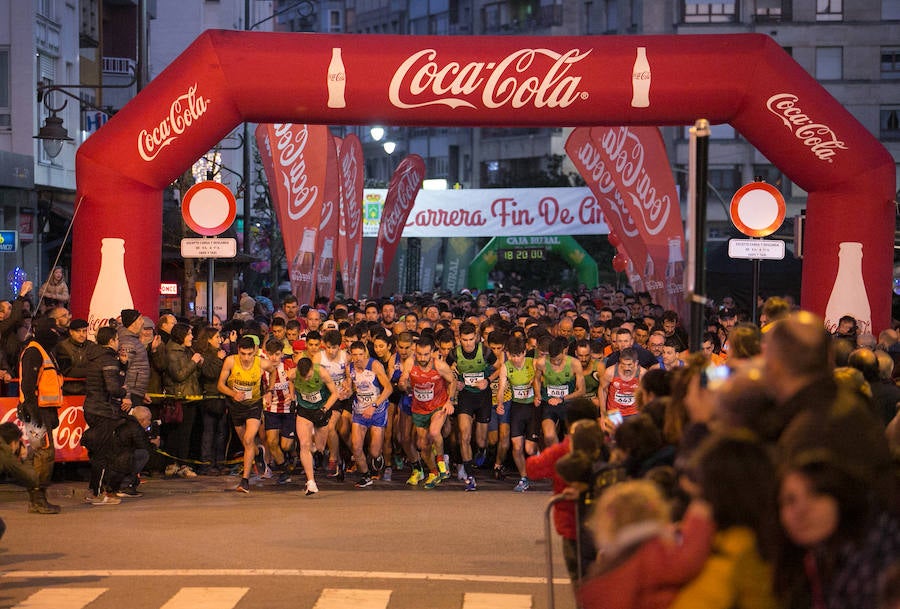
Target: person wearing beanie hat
{"type": "Point", "coordinates": [129, 316]}
{"type": "Point", "coordinates": [137, 377]}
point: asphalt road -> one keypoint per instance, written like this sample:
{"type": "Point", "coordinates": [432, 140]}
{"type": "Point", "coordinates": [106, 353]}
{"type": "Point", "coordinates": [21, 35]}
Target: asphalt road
{"type": "Point", "coordinates": [198, 544]}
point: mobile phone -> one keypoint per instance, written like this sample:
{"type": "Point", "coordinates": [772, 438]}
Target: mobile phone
{"type": "Point", "coordinates": [712, 377]}
{"type": "Point", "coordinates": [616, 417]}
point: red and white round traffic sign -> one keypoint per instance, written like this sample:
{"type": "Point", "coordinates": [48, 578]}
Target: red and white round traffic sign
{"type": "Point", "coordinates": [208, 208]}
{"type": "Point", "coordinates": [757, 209]}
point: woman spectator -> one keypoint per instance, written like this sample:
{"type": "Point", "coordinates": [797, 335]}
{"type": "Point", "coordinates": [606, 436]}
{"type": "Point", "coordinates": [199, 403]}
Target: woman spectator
{"type": "Point", "coordinates": [837, 538]}
{"type": "Point", "coordinates": [55, 292]}
{"type": "Point", "coordinates": [182, 380]}
{"type": "Point", "coordinates": [212, 409]}
{"type": "Point", "coordinates": [735, 476]}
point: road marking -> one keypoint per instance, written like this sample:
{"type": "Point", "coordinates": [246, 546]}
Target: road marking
{"type": "Point", "coordinates": [205, 598]}
{"type": "Point", "coordinates": [389, 575]}
{"type": "Point", "coordinates": [61, 598]}
{"type": "Point", "coordinates": [479, 600]}
{"type": "Point", "coordinates": [334, 598]}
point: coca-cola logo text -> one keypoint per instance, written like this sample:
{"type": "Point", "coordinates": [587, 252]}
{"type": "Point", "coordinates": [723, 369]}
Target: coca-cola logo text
{"type": "Point", "coordinates": [516, 80]}
{"type": "Point", "coordinates": [290, 143]}
{"type": "Point", "coordinates": [626, 152]}
{"type": "Point", "coordinates": [600, 179]}
{"type": "Point", "coordinates": [183, 112]}
{"type": "Point", "coordinates": [405, 190]}
{"type": "Point", "coordinates": [819, 138]}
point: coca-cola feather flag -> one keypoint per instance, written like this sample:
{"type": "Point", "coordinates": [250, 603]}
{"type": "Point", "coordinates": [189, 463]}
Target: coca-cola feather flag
{"type": "Point", "coordinates": [294, 157]}
{"type": "Point", "coordinates": [329, 223]}
{"type": "Point", "coordinates": [350, 160]}
{"type": "Point", "coordinates": [401, 194]}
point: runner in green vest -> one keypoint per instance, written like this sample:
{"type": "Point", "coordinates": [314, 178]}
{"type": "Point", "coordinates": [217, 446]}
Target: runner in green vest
{"type": "Point", "coordinates": [315, 394]}
{"type": "Point", "coordinates": [518, 375]}
{"type": "Point", "coordinates": [561, 380]}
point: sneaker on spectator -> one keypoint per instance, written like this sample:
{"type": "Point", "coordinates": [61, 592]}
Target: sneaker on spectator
{"type": "Point", "coordinates": [522, 486]}
{"type": "Point", "coordinates": [387, 474]}
{"type": "Point", "coordinates": [171, 469]}
{"type": "Point", "coordinates": [129, 491]}
{"type": "Point", "coordinates": [185, 471]}
{"type": "Point", "coordinates": [364, 481]}
{"type": "Point", "coordinates": [311, 488]}
{"type": "Point", "coordinates": [106, 499]}
{"type": "Point", "coordinates": [284, 477]}
{"type": "Point", "coordinates": [470, 484]}
{"type": "Point", "coordinates": [416, 477]}
{"type": "Point", "coordinates": [432, 480]}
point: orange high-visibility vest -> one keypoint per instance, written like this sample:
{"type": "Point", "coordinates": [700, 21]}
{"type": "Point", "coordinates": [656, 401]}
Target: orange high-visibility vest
{"type": "Point", "coordinates": [50, 381]}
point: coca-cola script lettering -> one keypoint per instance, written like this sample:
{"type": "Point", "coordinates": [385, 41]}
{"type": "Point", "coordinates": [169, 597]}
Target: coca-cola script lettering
{"type": "Point", "coordinates": [819, 138]}
{"type": "Point", "coordinates": [592, 161]}
{"type": "Point", "coordinates": [183, 112]}
{"type": "Point", "coordinates": [515, 81]}
{"type": "Point", "coordinates": [290, 145]}
{"type": "Point", "coordinates": [626, 152]}
{"type": "Point", "coordinates": [349, 175]}
{"type": "Point", "coordinates": [407, 188]}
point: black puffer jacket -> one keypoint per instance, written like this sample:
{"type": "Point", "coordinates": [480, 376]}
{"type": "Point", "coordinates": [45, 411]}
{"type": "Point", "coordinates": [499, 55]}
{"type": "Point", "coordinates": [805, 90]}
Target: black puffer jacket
{"type": "Point", "coordinates": [104, 385]}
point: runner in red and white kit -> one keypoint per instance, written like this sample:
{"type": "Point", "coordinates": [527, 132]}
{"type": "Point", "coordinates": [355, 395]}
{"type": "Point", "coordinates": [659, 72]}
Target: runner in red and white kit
{"type": "Point", "coordinates": [618, 390]}
{"type": "Point", "coordinates": [432, 384]}
{"type": "Point", "coordinates": [278, 407]}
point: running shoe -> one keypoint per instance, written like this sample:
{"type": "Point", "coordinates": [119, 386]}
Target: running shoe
{"type": "Point", "coordinates": [284, 477]}
{"type": "Point", "coordinates": [243, 487]}
{"type": "Point", "coordinates": [311, 488]}
{"type": "Point", "coordinates": [470, 484]}
{"type": "Point", "coordinates": [498, 472]}
{"type": "Point", "coordinates": [334, 469]}
{"type": "Point", "coordinates": [432, 480]}
{"type": "Point", "coordinates": [267, 473]}
{"type": "Point", "coordinates": [171, 470]}
{"type": "Point", "coordinates": [260, 459]}
{"type": "Point", "coordinates": [387, 474]}
{"type": "Point", "coordinates": [416, 477]}
{"type": "Point", "coordinates": [461, 473]}
{"type": "Point", "coordinates": [443, 470]}
{"type": "Point", "coordinates": [364, 481]}
{"type": "Point", "coordinates": [522, 486]}
{"type": "Point", "coordinates": [185, 471]}
{"type": "Point", "coordinates": [480, 457]}
{"type": "Point", "coordinates": [398, 461]}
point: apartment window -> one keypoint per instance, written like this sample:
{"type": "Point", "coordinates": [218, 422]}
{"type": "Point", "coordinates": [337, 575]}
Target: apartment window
{"type": "Point", "coordinates": [889, 122]}
{"type": "Point", "coordinates": [772, 11]}
{"type": "Point", "coordinates": [611, 12]}
{"type": "Point", "coordinates": [334, 21]}
{"type": "Point", "coordinates": [829, 10]}
{"type": "Point", "coordinates": [829, 63]}
{"type": "Point", "coordinates": [890, 63]}
{"type": "Point", "coordinates": [890, 10]}
{"type": "Point", "coordinates": [5, 120]}
{"type": "Point", "coordinates": [725, 179]}
{"type": "Point", "coordinates": [697, 11]}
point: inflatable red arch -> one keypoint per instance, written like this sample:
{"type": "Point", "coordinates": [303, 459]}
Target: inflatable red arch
{"type": "Point", "coordinates": [227, 77]}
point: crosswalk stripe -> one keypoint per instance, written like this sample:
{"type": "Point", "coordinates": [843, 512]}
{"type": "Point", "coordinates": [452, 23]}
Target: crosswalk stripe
{"type": "Point", "coordinates": [335, 598]}
{"type": "Point", "coordinates": [206, 598]}
{"type": "Point", "coordinates": [61, 598]}
{"type": "Point", "coordinates": [480, 600]}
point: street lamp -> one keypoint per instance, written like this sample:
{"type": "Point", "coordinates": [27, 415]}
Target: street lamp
{"type": "Point", "coordinates": [52, 135]}
{"type": "Point", "coordinates": [389, 147]}
{"type": "Point", "coordinates": [377, 133]}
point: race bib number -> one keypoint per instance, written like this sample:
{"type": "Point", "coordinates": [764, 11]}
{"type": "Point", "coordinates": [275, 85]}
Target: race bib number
{"type": "Point", "coordinates": [557, 391]}
{"type": "Point", "coordinates": [624, 399]}
{"type": "Point", "coordinates": [312, 398]}
{"type": "Point", "coordinates": [524, 392]}
{"type": "Point", "coordinates": [365, 398]}
{"type": "Point", "coordinates": [471, 379]}
{"type": "Point", "coordinates": [423, 394]}
{"type": "Point", "coordinates": [284, 386]}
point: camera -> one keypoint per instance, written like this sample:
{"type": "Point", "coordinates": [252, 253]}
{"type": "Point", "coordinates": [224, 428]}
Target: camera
{"type": "Point", "coordinates": [153, 430]}
{"type": "Point", "coordinates": [713, 377]}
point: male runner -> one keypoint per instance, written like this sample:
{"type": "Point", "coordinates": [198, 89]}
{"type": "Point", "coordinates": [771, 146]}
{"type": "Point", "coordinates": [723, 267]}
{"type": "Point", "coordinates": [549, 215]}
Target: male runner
{"type": "Point", "coordinates": [316, 394]}
{"type": "Point", "coordinates": [371, 390]}
{"type": "Point", "coordinates": [517, 375]}
{"type": "Point", "coordinates": [561, 380]}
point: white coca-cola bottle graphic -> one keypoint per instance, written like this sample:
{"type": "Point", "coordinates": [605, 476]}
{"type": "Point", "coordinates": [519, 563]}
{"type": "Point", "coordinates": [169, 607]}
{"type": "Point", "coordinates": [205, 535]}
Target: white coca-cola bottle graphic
{"type": "Point", "coordinates": [111, 292]}
{"type": "Point", "coordinates": [637, 284]}
{"type": "Point", "coordinates": [377, 272]}
{"type": "Point", "coordinates": [352, 287]}
{"type": "Point", "coordinates": [325, 272]}
{"type": "Point", "coordinates": [649, 272]}
{"type": "Point", "coordinates": [848, 296]}
{"type": "Point", "coordinates": [336, 80]}
{"type": "Point", "coordinates": [640, 80]}
{"type": "Point", "coordinates": [302, 268]}
{"type": "Point", "coordinates": [675, 268]}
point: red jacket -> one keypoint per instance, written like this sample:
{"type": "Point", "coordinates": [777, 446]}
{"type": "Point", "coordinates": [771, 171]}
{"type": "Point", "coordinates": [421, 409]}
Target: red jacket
{"type": "Point", "coordinates": [544, 466]}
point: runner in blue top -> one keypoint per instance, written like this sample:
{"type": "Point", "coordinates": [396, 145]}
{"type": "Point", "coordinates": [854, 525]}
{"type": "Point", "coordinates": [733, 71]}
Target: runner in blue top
{"type": "Point", "coordinates": [371, 390]}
